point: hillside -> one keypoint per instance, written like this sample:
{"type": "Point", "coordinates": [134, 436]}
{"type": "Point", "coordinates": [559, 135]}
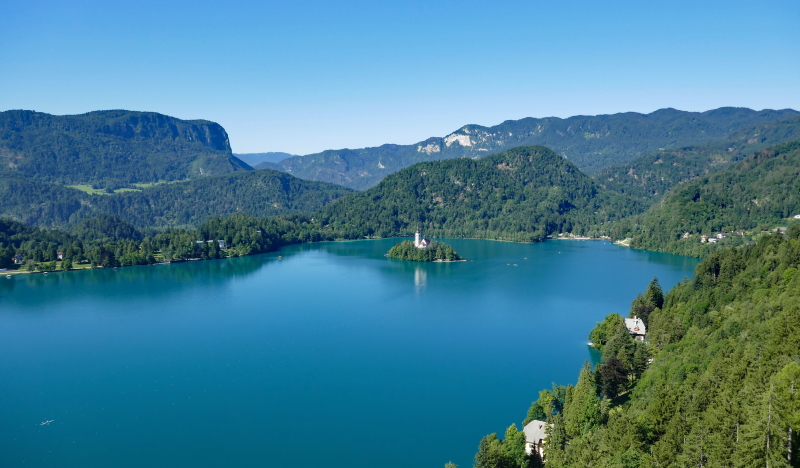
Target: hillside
{"type": "Point", "coordinates": [722, 388]}
{"type": "Point", "coordinates": [759, 192]}
{"type": "Point", "coordinates": [590, 142]}
{"type": "Point", "coordinates": [258, 193]}
{"type": "Point", "coordinates": [112, 149]}
{"type": "Point", "coordinates": [647, 178]}
{"type": "Point", "coordinates": [521, 194]}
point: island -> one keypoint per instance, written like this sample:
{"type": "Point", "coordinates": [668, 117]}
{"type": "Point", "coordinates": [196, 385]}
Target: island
{"type": "Point", "coordinates": [424, 250]}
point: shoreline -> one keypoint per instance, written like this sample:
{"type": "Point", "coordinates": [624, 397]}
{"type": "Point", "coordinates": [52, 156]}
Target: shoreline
{"type": "Point", "coordinates": [17, 272]}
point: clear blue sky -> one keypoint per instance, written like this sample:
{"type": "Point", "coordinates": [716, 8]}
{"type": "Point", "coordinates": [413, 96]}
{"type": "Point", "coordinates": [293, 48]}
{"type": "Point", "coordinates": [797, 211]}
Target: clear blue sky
{"type": "Point", "coordinates": [303, 76]}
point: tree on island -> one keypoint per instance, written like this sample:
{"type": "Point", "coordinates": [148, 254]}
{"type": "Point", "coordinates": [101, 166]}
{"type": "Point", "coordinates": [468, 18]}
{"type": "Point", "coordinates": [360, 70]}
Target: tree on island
{"type": "Point", "coordinates": [436, 251]}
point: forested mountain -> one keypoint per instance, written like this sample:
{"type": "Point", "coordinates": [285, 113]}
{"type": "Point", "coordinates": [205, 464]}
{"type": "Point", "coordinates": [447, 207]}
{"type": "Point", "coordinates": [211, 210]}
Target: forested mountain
{"type": "Point", "coordinates": [649, 177]}
{"type": "Point", "coordinates": [254, 159]}
{"type": "Point", "coordinates": [759, 192]}
{"type": "Point", "coordinates": [723, 387]}
{"type": "Point", "coordinates": [189, 203]}
{"type": "Point", "coordinates": [590, 142]}
{"type": "Point", "coordinates": [521, 194]}
{"type": "Point", "coordinates": [112, 149]}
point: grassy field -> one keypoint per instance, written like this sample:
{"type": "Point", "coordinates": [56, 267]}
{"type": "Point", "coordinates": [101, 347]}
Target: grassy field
{"type": "Point", "coordinates": [93, 191]}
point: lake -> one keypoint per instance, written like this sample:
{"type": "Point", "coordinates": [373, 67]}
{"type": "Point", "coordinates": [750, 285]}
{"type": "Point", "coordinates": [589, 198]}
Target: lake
{"type": "Point", "coordinates": [332, 355]}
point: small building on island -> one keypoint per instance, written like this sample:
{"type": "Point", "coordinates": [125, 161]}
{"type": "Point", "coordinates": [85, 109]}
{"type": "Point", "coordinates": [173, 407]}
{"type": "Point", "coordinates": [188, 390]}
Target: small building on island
{"type": "Point", "coordinates": [636, 328]}
{"type": "Point", "coordinates": [535, 432]}
{"type": "Point", "coordinates": [420, 242]}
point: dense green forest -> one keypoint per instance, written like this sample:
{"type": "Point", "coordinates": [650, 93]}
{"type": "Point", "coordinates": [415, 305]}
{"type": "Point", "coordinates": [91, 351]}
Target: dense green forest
{"type": "Point", "coordinates": [181, 204]}
{"type": "Point", "coordinates": [723, 386]}
{"type": "Point", "coordinates": [590, 142]}
{"type": "Point", "coordinates": [523, 194]}
{"type": "Point", "coordinates": [108, 241]}
{"type": "Point", "coordinates": [649, 177]}
{"type": "Point", "coordinates": [756, 194]}
{"type": "Point", "coordinates": [112, 149]}
{"type": "Point", "coordinates": [406, 250]}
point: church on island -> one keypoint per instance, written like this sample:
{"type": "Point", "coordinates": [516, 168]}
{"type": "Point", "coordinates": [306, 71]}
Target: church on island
{"type": "Point", "coordinates": [420, 242]}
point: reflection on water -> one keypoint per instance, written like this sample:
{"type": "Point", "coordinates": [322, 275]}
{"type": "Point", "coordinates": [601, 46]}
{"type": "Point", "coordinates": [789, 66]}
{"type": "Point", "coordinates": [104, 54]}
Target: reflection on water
{"type": "Point", "coordinates": [420, 277]}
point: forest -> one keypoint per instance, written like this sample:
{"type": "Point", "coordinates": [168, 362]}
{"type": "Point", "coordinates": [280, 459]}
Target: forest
{"type": "Point", "coordinates": [185, 204]}
{"type": "Point", "coordinates": [755, 195]}
{"type": "Point", "coordinates": [717, 382]}
{"type": "Point", "coordinates": [524, 194]}
{"type": "Point", "coordinates": [108, 241]}
{"type": "Point", "coordinates": [112, 149]}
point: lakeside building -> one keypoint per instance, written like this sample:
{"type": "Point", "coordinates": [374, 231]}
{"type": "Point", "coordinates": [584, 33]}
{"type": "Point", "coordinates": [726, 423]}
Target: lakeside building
{"type": "Point", "coordinates": [636, 328]}
{"type": "Point", "coordinates": [535, 432]}
{"type": "Point", "coordinates": [703, 238]}
{"type": "Point", "coordinates": [420, 242]}
{"type": "Point", "coordinates": [18, 258]}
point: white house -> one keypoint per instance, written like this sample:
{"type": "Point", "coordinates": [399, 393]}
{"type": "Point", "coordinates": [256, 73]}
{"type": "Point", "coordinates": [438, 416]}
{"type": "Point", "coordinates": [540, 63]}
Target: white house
{"type": "Point", "coordinates": [636, 328]}
{"type": "Point", "coordinates": [703, 238]}
{"type": "Point", "coordinates": [797, 216]}
{"type": "Point", "coordinates": [420, 242]}
{"type": "Point", "coordinates": [535, 432]}
{"type": "Point", "coordinates": [720, 235]}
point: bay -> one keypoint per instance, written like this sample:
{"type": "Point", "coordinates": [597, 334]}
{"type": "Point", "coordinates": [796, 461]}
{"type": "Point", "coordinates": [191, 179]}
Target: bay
{"type": "Point", "coordinates": [323, 354]}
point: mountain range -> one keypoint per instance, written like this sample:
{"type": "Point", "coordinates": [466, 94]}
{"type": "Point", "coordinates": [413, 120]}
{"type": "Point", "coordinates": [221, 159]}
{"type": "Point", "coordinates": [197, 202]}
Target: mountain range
{"type": "Point", "coordinates": [590, 142]}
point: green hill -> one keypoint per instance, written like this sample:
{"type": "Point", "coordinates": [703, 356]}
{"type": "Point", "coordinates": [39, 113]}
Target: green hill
{"type": "Point", "coordinates": [760, 192]}
{"type": "Point", "coordinates": [521, 194]}
{"type": "Point", "coordinates": [590, 142]}
{"type": "Point", "coordinates": [649, 177]}
{"type": "Point", "coordinates": [258, 193]}
{"type": "Point", "coordinates": [112, 149]}
{"type": "Point", "coordinates": [723, 388]}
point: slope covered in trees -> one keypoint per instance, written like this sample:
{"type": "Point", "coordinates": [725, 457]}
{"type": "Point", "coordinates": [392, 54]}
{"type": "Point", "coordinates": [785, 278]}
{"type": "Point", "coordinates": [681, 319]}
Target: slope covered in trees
{"type": "Point", "coordinates": [108, 241]}
{"type": "Point", "coordinates": [757, 193]}
{"type": "Point", "coordinates": [649, 177]}
{"type": "Point", "coordinates": [723, 388]}
{"type": "Point", "coordinates": [112, 149]}
{"type": "Point", "coordinates": [189, 203]}
{"type": "Point", "coordinates": [522, 194]}
{"type": "Point", "coordinates": [590, 142]}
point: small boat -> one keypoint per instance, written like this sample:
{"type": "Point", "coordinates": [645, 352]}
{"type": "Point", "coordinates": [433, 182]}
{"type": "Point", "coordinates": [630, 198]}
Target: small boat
{"type": "Point", "coordinates": [47, 423]}
{"type": "Point", "coordinates": [8, 276]}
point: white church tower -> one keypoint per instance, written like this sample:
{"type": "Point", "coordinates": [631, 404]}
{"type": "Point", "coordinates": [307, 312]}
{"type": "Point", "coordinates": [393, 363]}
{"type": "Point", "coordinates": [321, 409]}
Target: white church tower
{"type": "Point", "coordinates": [420, 242]}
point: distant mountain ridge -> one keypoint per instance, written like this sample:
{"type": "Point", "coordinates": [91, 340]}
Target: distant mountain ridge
{"type": "Point", "coordinates": [112, 149]}
{"type": "Point", "coordinates": [590, 142]}
{"type": "Point", "coordinates": [254, 159]}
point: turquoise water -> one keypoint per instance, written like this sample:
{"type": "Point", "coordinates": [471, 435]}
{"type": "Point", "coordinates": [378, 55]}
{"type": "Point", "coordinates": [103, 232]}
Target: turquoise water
{"type": "Point", "coordinates": [330, 356]}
